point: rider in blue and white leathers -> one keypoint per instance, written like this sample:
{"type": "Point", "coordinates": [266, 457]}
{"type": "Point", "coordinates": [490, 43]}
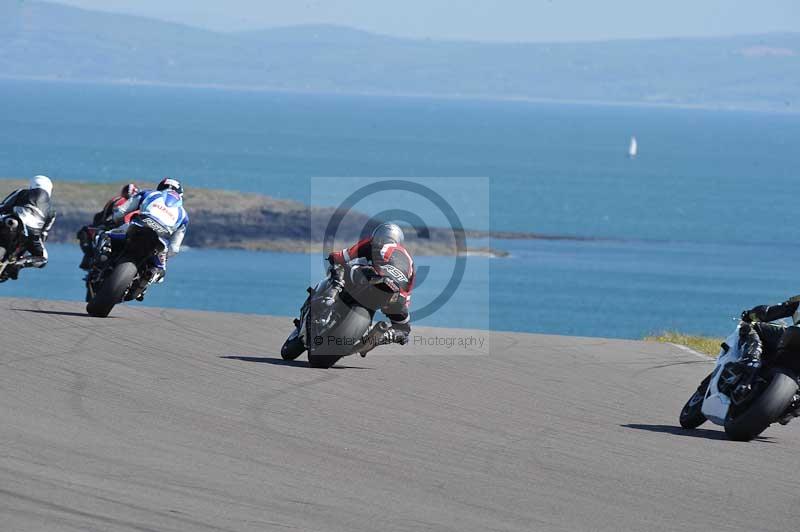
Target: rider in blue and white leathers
{"type": "Point", "coordinates": [165, 206]}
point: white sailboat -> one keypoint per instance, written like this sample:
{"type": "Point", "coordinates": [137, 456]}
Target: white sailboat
{"type": "Point", "coordinates": [633, 149]}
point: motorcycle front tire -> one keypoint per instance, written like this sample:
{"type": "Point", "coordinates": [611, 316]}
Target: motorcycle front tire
{"type": "Point", "coordinates": [692, 416]}
{"type": "Point", "coordinates": [292, 348]}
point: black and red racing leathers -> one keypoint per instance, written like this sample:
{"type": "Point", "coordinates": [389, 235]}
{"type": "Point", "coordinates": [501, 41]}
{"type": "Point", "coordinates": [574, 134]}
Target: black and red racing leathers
{"type": "Point", "coordinates": [364, 253]}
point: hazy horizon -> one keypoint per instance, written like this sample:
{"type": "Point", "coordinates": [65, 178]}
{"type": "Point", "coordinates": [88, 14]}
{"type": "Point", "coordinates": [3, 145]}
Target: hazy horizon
{"type": "Point", "coordinates": [477, 20]}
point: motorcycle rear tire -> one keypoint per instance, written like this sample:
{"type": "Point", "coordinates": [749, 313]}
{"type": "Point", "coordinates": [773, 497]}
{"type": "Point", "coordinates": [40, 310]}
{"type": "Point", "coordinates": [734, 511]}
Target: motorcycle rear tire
{"type": "Point", "coordinates": [112, 290]}
{"type": "Point", "coordinates": [764, 410]}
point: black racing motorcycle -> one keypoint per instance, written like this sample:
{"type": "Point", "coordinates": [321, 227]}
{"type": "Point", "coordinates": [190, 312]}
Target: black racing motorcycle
{"type": "Point", "coordinates": [330, 332]}
{"type": "Point", "coordinates": [122, 266]}
{"type": "Point", "coordinates": [11, 243]}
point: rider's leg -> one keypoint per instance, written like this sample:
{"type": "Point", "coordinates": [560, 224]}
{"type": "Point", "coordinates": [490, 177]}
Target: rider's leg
{"type": "Point", "coordinates": [36, 258]}
{"type": "Point", "coordinates": [157, 271]}
{"type": "Point", "coordinates": [160, 266]}
{"type": "Point", "coordinates": [85, 241]}
{"type": "Point", "coordinates": [788, 351]}
{"type": "Point", "coordinates": [759, 340]}
{"type": "Point", "coordinates": [788, 356]}
{"type": "Point", "coordinates": [335, 284]}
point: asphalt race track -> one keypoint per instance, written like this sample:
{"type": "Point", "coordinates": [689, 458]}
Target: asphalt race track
{"type": "Point", "coordinates": [161, 420]}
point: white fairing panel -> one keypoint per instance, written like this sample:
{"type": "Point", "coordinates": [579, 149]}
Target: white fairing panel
{"type": "Point", "coordinates": [30, 216]}
{"type": "Point", "coordinates": [716, 404]}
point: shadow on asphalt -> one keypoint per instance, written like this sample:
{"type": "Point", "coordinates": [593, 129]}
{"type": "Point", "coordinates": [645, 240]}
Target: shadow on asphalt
{"type": "Point", "coordinates": [282, 362]}
{"type": "Point", "coordinates": [57, 312]}
{"type": "Point", "coordinates": [705, 434]}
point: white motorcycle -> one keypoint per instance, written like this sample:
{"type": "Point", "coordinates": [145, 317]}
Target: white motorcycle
{"type": "Point", "coordinates": [14, 229]}
{"type": "Point", "coordinates": [742, 399]}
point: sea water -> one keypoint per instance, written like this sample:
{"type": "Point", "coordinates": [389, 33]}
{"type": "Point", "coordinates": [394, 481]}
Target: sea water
{"type": "Point", "coordinates": [701, 224]}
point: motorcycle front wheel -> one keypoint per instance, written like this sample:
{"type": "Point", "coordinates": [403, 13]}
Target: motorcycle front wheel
{"type": "Point", "coordinates": [692, 416]}
{"type": "Point", "coordinates": [292, 348]}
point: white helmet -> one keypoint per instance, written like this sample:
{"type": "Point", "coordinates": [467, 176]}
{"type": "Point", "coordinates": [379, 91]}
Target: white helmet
{"type": "Point", "coordinates": [43, 182]}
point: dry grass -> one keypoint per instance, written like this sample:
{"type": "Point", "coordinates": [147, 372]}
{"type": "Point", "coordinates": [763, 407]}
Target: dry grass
{"type": "Point", "coordinates": [702, 344]}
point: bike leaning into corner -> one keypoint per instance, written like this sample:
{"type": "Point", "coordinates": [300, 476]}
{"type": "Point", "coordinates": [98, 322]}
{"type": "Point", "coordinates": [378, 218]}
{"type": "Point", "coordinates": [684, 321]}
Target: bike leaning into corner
{"type": "Point", "coordinates": [154, 233]}
{"type": "Point", "coordinates": [26, 217]}
{"type": "Point", "coordinates": [743, 394]}
{"type": "Point", "coordinates": [330, 331]}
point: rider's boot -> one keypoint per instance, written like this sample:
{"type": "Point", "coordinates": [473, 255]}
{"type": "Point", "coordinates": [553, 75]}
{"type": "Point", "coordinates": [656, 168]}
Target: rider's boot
{"type": "Point", "coordinates": [752, 348]}
{"type": "Point", "coordinates": [85, 242]}
{"type": "Point", "coordinates": [12, 271]}
{"type": "Point", "coordinates": [160, 268]}
{"type": "Point", "coordinates": [86, 262]}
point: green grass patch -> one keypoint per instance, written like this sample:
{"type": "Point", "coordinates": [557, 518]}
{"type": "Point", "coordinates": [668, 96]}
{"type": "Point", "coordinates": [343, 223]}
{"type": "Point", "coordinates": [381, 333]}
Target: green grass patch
{"type": "Point", "coordinates": [702, 344]}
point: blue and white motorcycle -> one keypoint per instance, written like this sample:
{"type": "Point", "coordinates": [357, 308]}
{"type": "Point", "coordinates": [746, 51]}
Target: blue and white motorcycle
{"type": "Point", "coordinates": [742, 399]}
{"type": "Point", "coordinates": [126, 259]}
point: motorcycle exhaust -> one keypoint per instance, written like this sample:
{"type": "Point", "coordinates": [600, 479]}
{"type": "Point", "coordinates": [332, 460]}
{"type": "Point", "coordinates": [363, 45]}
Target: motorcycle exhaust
{"type": "Point", "coordinates": [372, 339]}
{"type": "Point", "coordinates": [11, 223]}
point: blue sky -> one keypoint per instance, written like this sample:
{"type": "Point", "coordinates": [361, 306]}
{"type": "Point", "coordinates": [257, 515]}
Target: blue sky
{"type": "Point", "coordinates": [487, 20]}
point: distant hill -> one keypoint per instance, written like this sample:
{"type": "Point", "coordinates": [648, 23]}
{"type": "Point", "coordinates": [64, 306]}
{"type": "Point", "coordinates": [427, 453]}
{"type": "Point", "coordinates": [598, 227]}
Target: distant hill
{"type": "Point", "coordinates": [224, 219]}
{"type": "Point", "coordinates": [42, 40]}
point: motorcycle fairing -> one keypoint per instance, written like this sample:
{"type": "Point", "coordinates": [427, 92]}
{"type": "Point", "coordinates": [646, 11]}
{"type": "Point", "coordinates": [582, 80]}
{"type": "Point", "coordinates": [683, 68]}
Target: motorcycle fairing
{"type": "Point", "coordinates": [30, 216]}
{"type": "Point", "coordinates": [716, 404]}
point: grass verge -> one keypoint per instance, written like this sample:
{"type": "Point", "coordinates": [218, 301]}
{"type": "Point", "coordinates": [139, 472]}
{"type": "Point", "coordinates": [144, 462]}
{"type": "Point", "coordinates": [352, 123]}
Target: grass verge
{"type": "Point", "coordinates": [702, 344]}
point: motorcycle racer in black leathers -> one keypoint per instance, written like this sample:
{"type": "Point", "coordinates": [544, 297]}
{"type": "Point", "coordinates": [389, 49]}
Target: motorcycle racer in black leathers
{"type": "Point", "coordinates": [33, 208]}
{"type": "Point", "coordinates": [383, 247]}
{"type": "Point", "coordinates": [764, 342]}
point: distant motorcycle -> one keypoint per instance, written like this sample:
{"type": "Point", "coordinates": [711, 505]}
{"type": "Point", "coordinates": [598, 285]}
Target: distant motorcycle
{"type": "Point", "coordinates": [123, 266]}
{"type": "Point", "coordinates": [346, 328]}
{"type": "Point", "coordinates": [12, 236]}
{"type": "Point", "coordinates": [14, 232]}
{"type": "Point", "coordinates": [743, 400]}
